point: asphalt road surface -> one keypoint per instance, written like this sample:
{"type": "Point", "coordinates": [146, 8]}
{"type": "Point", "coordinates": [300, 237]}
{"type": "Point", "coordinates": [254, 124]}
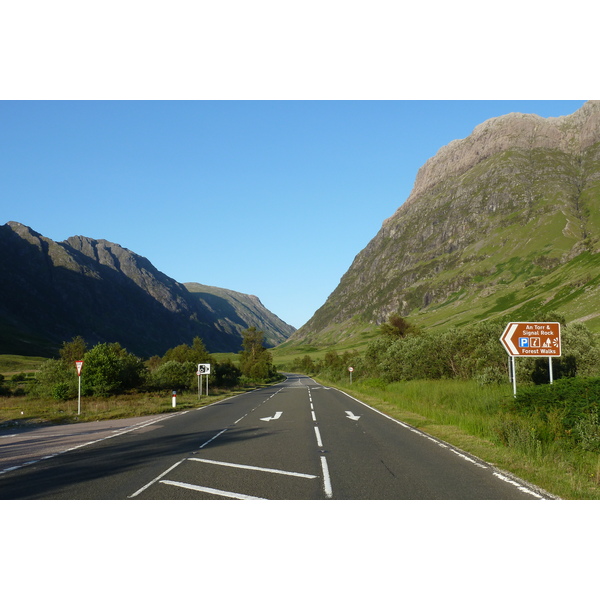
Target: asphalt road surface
{"type": "Point", "coordinates": [295, 440]}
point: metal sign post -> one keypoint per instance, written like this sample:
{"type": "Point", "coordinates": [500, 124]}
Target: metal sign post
{"type": "Point", "coordinates": [203, 369]}
{"type": "Point", "coordinates": [351, 369]}
{"type": "Point", "coordinates": [79, 365]}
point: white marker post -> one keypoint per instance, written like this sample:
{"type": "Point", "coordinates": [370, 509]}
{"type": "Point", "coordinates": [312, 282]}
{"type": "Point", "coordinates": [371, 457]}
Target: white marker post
{"type": "Point", "coordinates": [79, 365]}
{"type": "Point", "coordinates": [174, 398]}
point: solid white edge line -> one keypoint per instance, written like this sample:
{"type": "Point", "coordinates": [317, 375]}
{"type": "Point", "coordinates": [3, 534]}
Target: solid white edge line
{"type": "Point", "coordinates": [326, 480]}
{"type": "Point", "coordinates": [123, 431]}
{"type": "Point", "coordinates": [457, 451]}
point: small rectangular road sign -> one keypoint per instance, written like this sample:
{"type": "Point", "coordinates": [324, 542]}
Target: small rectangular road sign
{"type": "Point", "coordinates": [532, 339]}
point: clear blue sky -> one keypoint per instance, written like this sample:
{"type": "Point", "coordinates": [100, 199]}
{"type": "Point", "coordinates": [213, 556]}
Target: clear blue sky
{"type": "Point", "coordinates": [272, 198]}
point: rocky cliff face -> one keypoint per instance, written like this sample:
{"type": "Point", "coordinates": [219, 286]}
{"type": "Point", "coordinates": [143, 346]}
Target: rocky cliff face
{"type": "Point", "coordinates": [502, 212]}
{"type": "Point", "coordinates": [53, 291]}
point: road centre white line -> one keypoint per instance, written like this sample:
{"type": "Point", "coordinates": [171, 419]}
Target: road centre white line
{"type": "Point", "coordinates": [326, 480]}
{"type": "Point", "coordinates": [214, 437]}
{"type": "Point", "coordinates": [206, 490]}
{"type": "Point", "coordinates": [156, 479]}
{"type": "Point", "coordinates": [253, 468]}
{"type": "Point", "coordinates": [318, 434]}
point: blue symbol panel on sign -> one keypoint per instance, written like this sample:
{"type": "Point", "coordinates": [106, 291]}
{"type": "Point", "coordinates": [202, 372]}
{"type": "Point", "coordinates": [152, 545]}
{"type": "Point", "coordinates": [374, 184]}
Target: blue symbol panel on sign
{"type": "Point", "coordinates": [523, 342]}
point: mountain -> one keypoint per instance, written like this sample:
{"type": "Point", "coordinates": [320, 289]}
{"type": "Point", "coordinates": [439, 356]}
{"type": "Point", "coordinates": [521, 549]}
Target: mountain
{"type": "Point", "coordinates": [504, 221]}
{"type": "Point", "coordinates": [234, 311]}
{"type": "Point", "coordinates": [53, 291]}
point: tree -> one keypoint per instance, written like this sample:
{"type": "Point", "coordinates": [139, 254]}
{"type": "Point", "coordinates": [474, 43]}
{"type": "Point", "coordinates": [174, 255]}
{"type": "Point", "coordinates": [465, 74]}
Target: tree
{"type": "Point", "coordinates": [196, 353]}
{"type": "Point", "coordinates": [396, 327]}
{"type": "Point", "coordinates": [174, 375]}
{"type": "Point", "coordinates": [256, 362]}
{"type": "Point", "coordinates": [73, 350]}
{"type": "Point", "coordinates": [110, 369]}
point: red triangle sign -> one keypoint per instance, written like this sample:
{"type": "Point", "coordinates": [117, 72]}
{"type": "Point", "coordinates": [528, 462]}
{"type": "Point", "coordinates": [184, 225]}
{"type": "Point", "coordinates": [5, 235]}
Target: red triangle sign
{"type": "Point", "coordinates": [79, 364]}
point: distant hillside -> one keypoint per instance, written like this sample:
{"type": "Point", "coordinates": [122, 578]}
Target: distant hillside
{"type": "Point", "coordinates": [233, 312]}
{"type": "Point", "coordinates": [53, 291]}
{"type": "Point", "coordinates": [507, 219]}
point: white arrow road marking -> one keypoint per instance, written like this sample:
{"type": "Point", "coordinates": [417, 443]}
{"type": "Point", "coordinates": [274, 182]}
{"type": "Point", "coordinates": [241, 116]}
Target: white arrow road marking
{"type": "Point", "coordinates": [352, 416]}
{"type": "Point", "coordinates": [277, 415]}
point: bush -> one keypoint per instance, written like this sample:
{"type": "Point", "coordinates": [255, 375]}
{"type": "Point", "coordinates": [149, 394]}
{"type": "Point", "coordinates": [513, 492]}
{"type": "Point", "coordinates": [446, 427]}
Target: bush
{"type": "Point", "coordinates": [55, 380]}
{"type": "Point", "coordinates": [174, 375]}
{"type": "Point", "coordinates": [574, 398]}
{"type": "Point", "coordinates": [226, 374]}
{"type": "Point", "coordinates": [110, 369]}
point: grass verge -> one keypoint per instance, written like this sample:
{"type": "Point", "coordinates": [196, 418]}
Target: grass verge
{"type": "Point", "coordinates": [478, 419]}
{"type": "Point", "coordinates": [25, 411]}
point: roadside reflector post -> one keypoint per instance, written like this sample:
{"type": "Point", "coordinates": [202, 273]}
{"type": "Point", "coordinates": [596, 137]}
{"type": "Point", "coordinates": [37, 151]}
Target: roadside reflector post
{"type": "Point", "coordinates": [174, 398]}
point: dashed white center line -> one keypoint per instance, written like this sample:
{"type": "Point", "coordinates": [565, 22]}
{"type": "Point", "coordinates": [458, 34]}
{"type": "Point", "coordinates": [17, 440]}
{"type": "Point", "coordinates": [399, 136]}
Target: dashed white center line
{"type": "Point", "coordinates": [326, 480]}
{"type": "Point", "coordinates": [318, 434]}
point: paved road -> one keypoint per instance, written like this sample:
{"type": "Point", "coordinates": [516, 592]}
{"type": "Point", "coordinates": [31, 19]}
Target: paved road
{"type": "Point", "coordinates": [295, 440]}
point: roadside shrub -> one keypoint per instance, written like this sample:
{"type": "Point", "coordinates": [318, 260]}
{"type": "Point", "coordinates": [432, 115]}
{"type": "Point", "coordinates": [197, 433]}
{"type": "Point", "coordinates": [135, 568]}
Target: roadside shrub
{"type": "Point", "coordinates": [227, 375]}
{"type": "Point", "coordinates": [587, 430]}
{"type": "Point", "coordinates": [110, 369]}
{"type": "Point", "coordinates": [573, 397]}
{"type": "Point", "coordinates": [61, 391]}
{"type": "Point", "coordinates": [174, 375]}
{"type": "Point", "coordinates": [55, 380]}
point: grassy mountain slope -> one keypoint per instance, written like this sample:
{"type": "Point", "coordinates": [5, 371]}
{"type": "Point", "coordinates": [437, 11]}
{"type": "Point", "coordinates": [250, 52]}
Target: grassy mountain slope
{"type": "Point", "coordinates": [505, 220]}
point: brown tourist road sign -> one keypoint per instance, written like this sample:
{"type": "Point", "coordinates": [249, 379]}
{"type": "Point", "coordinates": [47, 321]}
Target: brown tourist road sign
{"type": "Point", "coordinates": [532, 339]}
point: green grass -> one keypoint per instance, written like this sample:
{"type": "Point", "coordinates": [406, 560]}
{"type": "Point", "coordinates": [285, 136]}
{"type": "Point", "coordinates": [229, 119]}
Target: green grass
{"type": "Point", "coordinates": [11, 364]}
{"type": "Point", "coordinates": [478, 419]}
{"type": "Point", "coordinates": [23, 410]}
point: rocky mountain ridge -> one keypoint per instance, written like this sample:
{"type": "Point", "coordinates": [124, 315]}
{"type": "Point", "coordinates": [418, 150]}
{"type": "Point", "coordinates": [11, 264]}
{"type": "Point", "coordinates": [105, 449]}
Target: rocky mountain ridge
{"type": "Point", "coordinates": [53, 291]}
{"type": "Point", "coordinates": [505, 219]}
